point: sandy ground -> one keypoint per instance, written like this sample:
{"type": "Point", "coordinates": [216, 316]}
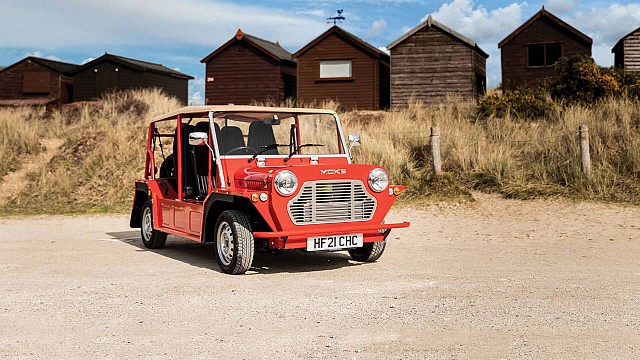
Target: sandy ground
{"type": "Point", "coordinates": [499, 279]}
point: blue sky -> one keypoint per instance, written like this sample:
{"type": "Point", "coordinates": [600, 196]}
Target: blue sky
{"type": "Point", "coordinates": [178, 34]}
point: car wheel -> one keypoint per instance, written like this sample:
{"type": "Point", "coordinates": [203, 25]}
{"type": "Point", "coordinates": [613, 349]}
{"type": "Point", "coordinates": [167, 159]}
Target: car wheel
{"type": "Point", "coordinates": [369, 252]}
{"type": "Point", "coordinates": [151, 238]}
{"type": "Point", "coordinates": [234, 242]}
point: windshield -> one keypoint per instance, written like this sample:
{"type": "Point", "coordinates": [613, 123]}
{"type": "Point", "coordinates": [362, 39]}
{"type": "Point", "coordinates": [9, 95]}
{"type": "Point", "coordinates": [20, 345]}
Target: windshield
{"type": "Point", "coordinates": [315, 134]}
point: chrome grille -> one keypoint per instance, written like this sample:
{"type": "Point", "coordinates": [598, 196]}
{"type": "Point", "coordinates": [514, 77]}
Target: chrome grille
{"type": "Point", "coordinates": [329, 201]}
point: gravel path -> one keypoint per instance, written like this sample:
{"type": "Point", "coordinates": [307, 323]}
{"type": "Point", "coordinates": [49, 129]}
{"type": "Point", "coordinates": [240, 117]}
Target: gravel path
{"type": "Point", "coordinates": [497, 279]}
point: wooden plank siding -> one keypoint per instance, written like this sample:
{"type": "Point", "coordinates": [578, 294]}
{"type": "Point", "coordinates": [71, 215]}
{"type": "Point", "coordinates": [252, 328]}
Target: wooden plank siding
{"type": "Point", "coordinates": [479, 80]}
{"type": "Point", "coordinates": [30, 80]}
{"type": "Point", "coordinates": [91, 82]}
{"type": "Point", "coordinates": [632, 52]}
{"type": "Point", "coordinates": [429, 65]}
{"type": "Point", "coordinates": [627, 52]}
{"type": "Point", "coordinates": [431, 62]}
{"type": "Point", "coordinates": [249, 69]}
{"type": "Point", "coordinates": [365, 90]}
{"type": "Point", "coordinates": [241, 77]}
{"type": "Point", "coordinates": [514, 54]}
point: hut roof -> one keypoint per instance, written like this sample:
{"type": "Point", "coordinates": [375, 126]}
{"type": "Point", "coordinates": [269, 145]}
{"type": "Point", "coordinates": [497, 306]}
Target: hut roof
{"type": "Point", "coordinates": [53, 65]}
{"type": "Point", "coordinates": [432, 23]}
{"type": "Point", "coordinates": [136, 65]}
{"type": "Point", "coordinates": [619, 43]}
{"type": "Point", "coordinates": [356, 41]}
{"type": "Point", "coordinates": [540, 14]}
{"type": "Point", "coordinates": [271, 49]}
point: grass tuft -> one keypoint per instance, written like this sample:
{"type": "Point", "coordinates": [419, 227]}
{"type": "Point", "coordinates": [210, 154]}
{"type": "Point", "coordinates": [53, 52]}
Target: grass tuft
{"type": "Point", "coordinates": [104, 145]}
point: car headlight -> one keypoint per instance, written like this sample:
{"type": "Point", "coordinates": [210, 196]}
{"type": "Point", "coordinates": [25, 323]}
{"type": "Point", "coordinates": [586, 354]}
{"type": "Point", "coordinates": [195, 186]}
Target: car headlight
{"type": "Point", "coordinates": [378, 180]}
{"type": "Point", "coordinates": [286, 183]}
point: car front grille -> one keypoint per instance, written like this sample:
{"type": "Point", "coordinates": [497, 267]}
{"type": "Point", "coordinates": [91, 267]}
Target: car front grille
{"type": "Point", "coordinates": [324, 202]}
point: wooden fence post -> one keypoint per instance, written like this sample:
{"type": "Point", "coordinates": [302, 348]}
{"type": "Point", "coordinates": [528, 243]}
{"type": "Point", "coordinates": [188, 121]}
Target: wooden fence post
{"type": "Point", "coordinates": [584, 151]}
{"type": "Point", "coordinates": [435, 150]}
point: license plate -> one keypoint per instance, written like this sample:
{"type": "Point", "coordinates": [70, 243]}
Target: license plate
{"type": "Point", "coordinates": [334, 242]}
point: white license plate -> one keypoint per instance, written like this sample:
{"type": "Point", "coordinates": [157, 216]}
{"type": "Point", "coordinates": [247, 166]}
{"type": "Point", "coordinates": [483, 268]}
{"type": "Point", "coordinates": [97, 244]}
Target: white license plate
{"type": "Point", "coordinates": [334, 242]}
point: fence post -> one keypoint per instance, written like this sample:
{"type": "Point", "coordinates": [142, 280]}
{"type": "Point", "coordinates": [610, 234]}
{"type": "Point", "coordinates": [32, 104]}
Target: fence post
{"type": "Point", "coordinates": [584, 150]}
{"type": "Point", "coordinates": [435, 150]}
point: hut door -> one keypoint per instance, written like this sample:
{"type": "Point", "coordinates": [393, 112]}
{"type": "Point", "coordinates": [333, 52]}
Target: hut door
{"type": "Point", "coordinates": [106, 79]}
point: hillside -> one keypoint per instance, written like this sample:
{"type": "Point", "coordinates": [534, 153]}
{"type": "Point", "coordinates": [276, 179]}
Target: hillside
{"type": "Point", "coordinates": [95, 150]}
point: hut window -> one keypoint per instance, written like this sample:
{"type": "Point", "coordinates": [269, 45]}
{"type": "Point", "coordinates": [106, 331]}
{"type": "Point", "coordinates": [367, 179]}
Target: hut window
{"type": "Point", "coordinates": [553, 52]}
{"type": "Point", "coordinates": [240, 49]}
{"type": "Point", "coordinates": [335, 69]}
{"type": "Point", "coordinates": [543, 54]}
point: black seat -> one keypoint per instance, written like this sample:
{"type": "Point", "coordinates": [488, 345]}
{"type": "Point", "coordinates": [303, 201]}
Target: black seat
{"type": "Point", "coordinates": [200, 158]}
{"type": "Point", "coordinates": [231, 138]}
{"type": "Point", "coordinates": [218, 138]}
{"type": "Point", "coordinates": [189, 181]}
{"type": "Point", "coordinates": [261, 134]}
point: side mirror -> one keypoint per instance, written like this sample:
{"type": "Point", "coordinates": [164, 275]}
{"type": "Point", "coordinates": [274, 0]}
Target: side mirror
{"type": "Point", "coordinates": [198, 138]}
{"type": "Point", "coordinates": [354, 140]}
{"type": "Point", "coordinates": [272, 121]}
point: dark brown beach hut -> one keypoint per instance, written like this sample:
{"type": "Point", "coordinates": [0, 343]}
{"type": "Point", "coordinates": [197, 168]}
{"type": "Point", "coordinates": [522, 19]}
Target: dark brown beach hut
{"type": "Point", "coordinates": [339, 66]}
{"type": "Point", "coordinates": [432, 61]}
{"type": "Point", "coordinates": [528, 53]}
{"type": "Point", "coordinates": [247, 69]}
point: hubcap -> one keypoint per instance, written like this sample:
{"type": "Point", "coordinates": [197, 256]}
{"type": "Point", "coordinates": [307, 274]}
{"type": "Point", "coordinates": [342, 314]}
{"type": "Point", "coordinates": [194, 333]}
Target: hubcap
{"type": "Point", "coordinates": [147, 224]}
{"type": "Point", "coordinates": [226, 243]}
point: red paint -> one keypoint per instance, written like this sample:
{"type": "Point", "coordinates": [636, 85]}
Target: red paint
{"type": "Point", "coordinates": [175, 213]}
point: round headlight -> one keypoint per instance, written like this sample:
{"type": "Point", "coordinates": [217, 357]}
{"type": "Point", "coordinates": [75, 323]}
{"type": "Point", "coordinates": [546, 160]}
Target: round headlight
{"type": "Point", "coordinates": [378, 180]}
{"type": "Point", "coordinates": [286, 183]}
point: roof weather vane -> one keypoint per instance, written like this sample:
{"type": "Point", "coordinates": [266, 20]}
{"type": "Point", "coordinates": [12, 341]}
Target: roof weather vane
{"type": "Point", "coordinates": [337, 18]}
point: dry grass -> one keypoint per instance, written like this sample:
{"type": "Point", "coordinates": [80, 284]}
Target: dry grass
{"type": "Point", "coordinates": [19, 135]}
{"type": "Point", "coordinates": [517, 158]}
{"type": "Point", "coordinates": [103, 153]}
{"type": "Point", "coordinates": [105, 142]}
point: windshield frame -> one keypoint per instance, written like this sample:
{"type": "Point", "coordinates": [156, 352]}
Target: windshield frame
{"type": "Point", "coordinates": [341, 139]}
{"type": "Point", "coordinates": [213, 115]}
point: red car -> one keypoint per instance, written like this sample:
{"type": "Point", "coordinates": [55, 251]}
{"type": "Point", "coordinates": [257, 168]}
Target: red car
{"type": "Point", "coordinates": [260, 179]}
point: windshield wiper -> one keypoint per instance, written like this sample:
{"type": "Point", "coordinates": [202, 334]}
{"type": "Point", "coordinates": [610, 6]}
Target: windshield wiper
{"type": "Point", "coordinates": [265, 148]}
{"type": "Point", "coordinates": [297, 150]}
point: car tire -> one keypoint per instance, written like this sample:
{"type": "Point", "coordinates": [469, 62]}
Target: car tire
{"type": "Point", "coordinates": [234, 242]}
{"type": "Point", "coordinates": [151, 238]}
{"type": "Point", "coordinates": [369, 252]}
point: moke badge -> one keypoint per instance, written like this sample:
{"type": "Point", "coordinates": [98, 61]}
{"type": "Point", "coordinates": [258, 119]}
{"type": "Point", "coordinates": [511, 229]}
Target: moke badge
{"type": "Point", "coordinates": [334, 172]}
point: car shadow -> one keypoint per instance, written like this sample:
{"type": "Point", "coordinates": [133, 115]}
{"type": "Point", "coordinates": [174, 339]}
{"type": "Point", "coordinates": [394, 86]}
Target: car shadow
{"type": "Point", "coordinates": [203, 256]}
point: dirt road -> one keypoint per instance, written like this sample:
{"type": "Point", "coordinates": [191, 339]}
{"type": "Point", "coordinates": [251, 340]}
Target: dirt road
{"type": "Point", "coordinates": [499, 279]}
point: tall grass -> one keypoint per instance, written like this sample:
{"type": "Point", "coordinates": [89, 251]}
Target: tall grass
{"type": "Point", "coordinates": [102, 154]}
{"type": "Point", "coordinates": [524, 158]}
{"type": "Point", "coordinates": [518, 158]}
{"type": "Point", "coordinates": [19, 136]}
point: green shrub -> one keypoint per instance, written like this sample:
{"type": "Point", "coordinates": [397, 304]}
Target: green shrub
{"type": "Point", "coordinates": [525, 104]}
{"type": "Point", "coordinates": [582, 81]}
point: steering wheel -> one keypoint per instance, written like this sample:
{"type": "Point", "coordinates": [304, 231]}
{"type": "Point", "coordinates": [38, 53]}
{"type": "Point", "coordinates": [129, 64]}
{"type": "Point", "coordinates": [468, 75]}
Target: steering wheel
{"type": "Point", "coordinates": [246, 148]}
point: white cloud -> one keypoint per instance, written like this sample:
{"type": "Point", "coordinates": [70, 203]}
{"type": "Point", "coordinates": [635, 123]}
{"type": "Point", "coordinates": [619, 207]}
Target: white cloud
{"type": "Point", "coordinates": [312, 12]}
{"type": "Point", "coordinates": [560, 7]}
{"type": "Point", "coordinates": [90, 59]}
{"type": "Point", "coordinates": [76, 23]}
{"type": "Point", "coordinates": [486, 27]}
{"type": "Point", "coordinates": [196, 99]}
{"type": "Point", "coordinates": [196, 89]}
{"type": "Point", "coordinates": [384, 50]}
{"type": "Point", "coordinates": [607, 25]}
{"type": "Point", "coordinates": [478, 23]}
{"type": "Point", "coordinates": [39, 54]}
{"type": "Point", "coordinates": [602, 55]}
{"type": "Point", "coordinates": [378, 26]}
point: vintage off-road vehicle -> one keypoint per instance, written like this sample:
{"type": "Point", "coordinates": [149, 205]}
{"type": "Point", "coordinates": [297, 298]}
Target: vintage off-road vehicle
{"type": "Point", "coordinates": [260, 179]}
